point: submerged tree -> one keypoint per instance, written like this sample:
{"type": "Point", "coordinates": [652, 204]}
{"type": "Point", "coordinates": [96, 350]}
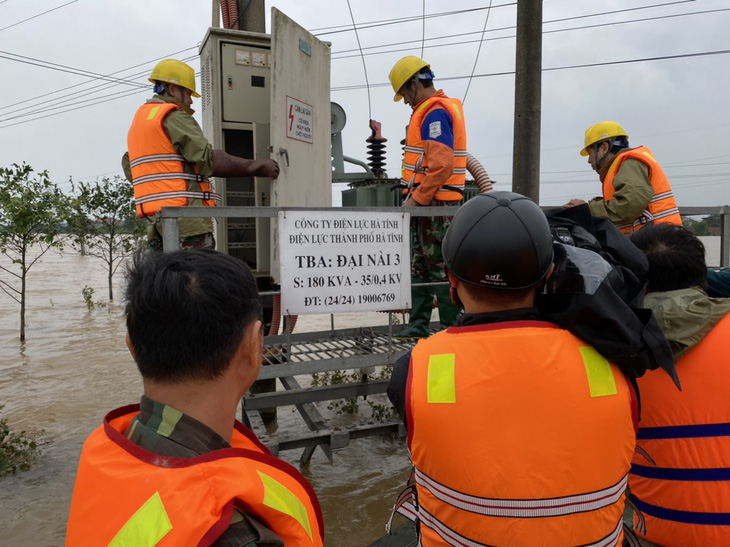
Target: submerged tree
{"type": "Point", "coordinates": [104, 223]}
{"type": "Point", "coordinates": [31, 209]}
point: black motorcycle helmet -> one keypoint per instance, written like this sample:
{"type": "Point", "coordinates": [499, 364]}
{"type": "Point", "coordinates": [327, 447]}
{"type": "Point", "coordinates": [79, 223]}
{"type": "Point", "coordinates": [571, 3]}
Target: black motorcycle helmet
{"type": "Point", "coordinates": [499, 240]}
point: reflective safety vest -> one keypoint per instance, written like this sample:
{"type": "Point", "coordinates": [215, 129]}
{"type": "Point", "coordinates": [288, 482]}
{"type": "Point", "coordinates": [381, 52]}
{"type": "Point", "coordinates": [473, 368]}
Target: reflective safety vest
{"type": "Point", "coordinates": [415, 163]}
{"type": "Point", "coordinates": [125, 495]}
{"type": "Point", "coordinates": [158, 169]}
{"type": "Point", "coordinates": [520, 434]}
{"type": "Point", "coordinates": [662, 207]}
{"type": "Point", "coordinates": [685, 494]}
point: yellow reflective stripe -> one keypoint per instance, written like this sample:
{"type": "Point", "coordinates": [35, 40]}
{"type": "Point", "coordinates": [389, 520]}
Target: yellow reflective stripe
{"type": "Point", "coordinates": [147, 526]}
{"type": "Point", "coordinates": [600, 376]}
{"type": "Point", "coordinates": [279, 497]}
{"type": "Point", "coordinates": [153, 113]}
{"type": "Point", "coordinates": [441, 379]}
{"type": "Point", "coordinates": [170, 417]}
{"type": "Point", "coordinates": [455, 108]}
{"type": "Point", "coordinates": [424, 105]}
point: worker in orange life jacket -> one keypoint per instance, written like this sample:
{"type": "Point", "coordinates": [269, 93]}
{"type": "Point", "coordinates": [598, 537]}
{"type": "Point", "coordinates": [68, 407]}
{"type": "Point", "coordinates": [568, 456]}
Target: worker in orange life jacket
{"type": "Point", "coordinates": [434, 171]}
{"type": "Point", "coordinates": [682, 485]}
{"type": "Point", "coordinates": [636, 192]}
{"type": "Point", "coordinates": [520, 433]}
{"type": "Point", "coordinates": [179, 469]}
{"type": "Point", "coordinates": [169, 161]}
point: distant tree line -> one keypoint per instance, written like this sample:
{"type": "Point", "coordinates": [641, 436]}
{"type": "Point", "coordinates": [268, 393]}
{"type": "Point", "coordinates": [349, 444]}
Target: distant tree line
{"type": "Point", "coordinates": [708, 226]}
{"type": "Point", "coordinates": [98, 219]}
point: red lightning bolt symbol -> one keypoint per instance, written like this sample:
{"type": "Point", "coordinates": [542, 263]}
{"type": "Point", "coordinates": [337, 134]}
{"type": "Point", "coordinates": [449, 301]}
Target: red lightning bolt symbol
{"type": "Point", "coordinates": [291, 116]}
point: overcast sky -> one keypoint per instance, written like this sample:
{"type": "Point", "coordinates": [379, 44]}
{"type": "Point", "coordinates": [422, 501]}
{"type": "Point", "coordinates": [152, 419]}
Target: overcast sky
{"type": "Point", "coordinates": [56, 114]}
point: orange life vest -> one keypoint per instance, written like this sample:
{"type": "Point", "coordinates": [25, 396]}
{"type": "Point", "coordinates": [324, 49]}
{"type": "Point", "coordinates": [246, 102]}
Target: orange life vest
{"type": "Point", "coordinates": [685, 494]}
{"type": "Point", "coordinates": [662, 207]}
{"type": "Point", "coordinates": [125, 495]}
{"type": "Point", "coordinates": [520, 434]}
{"type": "Point", "coordinates": [415, 163]}
{"type": "Point", "coordinates": [158, 169]}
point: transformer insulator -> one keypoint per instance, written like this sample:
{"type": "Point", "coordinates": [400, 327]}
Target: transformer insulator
{"type": "Point", "coordinates": [376, 150]}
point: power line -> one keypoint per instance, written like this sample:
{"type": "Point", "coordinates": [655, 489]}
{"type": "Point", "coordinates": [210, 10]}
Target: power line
{"type": "Point", "coordinates": [65, 99]}
{"type": "Point", "coordinates": [343, 88]}
{"type": "Point", "coordinates": [476, 58]}
{"type": "Point", "coordinates": [365, 68]}
{"type": "Point", "coordinates": [462, 11]}
{"type": "Point", "coordinates": [93, 79]}
{"type": "Point", "coordinates": [36, 16]}
{"type": "Point", "coordinates": [62, 68]}
{"type": "Point", "coordinates": [121, 95]}
{"type": "Point", "coordinates": [398, 21]}
{"type": "Point", "coordinates": [550, 69]}
{"type": "Point", "coordinates": [339, 54]}
{"type": "Point", "coordinates": [423, 27]}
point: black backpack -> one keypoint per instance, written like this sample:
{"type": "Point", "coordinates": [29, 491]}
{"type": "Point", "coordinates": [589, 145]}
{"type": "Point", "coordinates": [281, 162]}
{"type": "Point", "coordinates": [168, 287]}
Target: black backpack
{"type": "Point", "coordinates": [597, 293]}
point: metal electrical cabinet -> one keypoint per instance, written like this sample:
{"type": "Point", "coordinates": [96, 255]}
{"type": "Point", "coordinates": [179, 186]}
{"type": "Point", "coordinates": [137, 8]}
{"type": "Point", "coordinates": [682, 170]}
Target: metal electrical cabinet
{"type": "Point", "coordinates": [267, 96]}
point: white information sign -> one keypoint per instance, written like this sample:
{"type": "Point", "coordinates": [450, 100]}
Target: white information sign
{"type": "Point", "coordinates": [299, 118]}
{"type": "Point", "coordinates": [337, 262]}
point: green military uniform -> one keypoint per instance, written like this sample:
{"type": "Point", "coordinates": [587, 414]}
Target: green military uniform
{"type": "Point", "coordinates": [168, 432]}
{"type": "Point", "coordinates": [187, 137]}
{"type": "Point", "coordinates": [632, 193]}
{"type": "Point", "coordinates": [686, 316]}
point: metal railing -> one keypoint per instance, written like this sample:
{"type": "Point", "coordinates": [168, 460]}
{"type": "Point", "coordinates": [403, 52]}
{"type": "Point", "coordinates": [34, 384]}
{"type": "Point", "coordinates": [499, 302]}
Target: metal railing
{"type": "Point", "coordinates": [290, 355]}
{"type": "Point", "coordinates": [170, 216]}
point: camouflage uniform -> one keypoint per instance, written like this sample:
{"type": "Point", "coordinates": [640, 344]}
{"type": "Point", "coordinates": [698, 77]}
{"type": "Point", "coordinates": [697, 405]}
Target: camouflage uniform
{"type": "Point", "coordinates": [427, 233]}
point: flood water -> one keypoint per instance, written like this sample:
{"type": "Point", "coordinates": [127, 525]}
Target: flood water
{"type": "Point", "coordinates": [74, 367]}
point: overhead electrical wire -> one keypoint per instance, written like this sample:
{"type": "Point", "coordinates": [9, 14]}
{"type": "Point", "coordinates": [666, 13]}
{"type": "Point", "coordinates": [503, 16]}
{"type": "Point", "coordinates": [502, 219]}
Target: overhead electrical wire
{"type": "Point", "coordinates": [120, 95]}
{"type": "Point", "coordinates": [38, 15]}
{"type": "Point", "coordinates": [503, 28]}
{"type": "Point", "coordinates": [567, 67]}
{"type": "Point", "coordinates": [423, 27]}
{"type": "Point", "coordinates": [365, 68]}
{"type": "Point", "coordinates": [338, 54]}
{"type": "Point", "coordinates": [380, 23]}
{"type": "Point", "coordinates": [398, 21]}
{"type": "Point", "coordinates": [476, 58]}
{"type": "Point", "coordinates": [110, 74]}
{"type": "Point", "coordinates": [65, 99]}
{"type": "Point", "coordinates": [62, 68]}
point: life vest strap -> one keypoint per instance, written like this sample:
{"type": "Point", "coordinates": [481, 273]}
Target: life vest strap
{"type": "Point", "coordinates": [151, 158]}
{"type": "Point", "coordinates": [662, 195]}
{"type": "Point", "coordinates": [173, 195]}
{"type": "Point", "coordinates": [169, 176]}
{"type": "Point", "coordinates": [684, 431]}
{"type": "Point", "coordinates": [524, 508]}
{"type": "Point", "coordinates": [686, 517]}
{"type": "Point", "coordinates": [643, 453]}
{"type": "Point", "coordinates": [682, 474]}
{"type": "Point", "coordinates": [405, 505]}
{"type": "Point", "coordinates": [641, 525]}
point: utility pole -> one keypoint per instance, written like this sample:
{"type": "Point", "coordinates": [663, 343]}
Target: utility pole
{"type": "Point", "coordinates": [253, 18]}
{"type": "Point", "coordinates": [528, 95]}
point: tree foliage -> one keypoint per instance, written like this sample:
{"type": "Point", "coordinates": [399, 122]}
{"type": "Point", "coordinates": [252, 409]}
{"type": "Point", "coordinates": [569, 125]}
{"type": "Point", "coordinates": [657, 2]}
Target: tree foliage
{"type": "Point", "coordinates": [702, 227]}
{"type": "Point", "coordinates": [104, 223]}
{"type": "Point", "coordinates": [31, 208]}
{"type": "Point", "coordinates": [16, 448]}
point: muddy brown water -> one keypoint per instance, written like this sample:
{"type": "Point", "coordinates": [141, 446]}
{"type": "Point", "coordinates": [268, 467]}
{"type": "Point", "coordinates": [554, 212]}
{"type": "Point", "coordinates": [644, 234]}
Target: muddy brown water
{"type": "Point", "coordinates": [74, 367]}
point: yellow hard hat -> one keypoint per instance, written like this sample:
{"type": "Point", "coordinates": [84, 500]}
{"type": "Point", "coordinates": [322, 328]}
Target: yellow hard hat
{"type": "Point", "coordinates": [600, 132]}
{"type": "Point", "coordinates": [403, 71]}
{"type": "Point", "coordinates": [175, 72]}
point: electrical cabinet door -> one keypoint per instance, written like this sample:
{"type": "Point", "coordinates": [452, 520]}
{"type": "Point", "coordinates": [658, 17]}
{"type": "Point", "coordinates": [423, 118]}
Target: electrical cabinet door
{"type": "Point", "coordinates": [300, 120]}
